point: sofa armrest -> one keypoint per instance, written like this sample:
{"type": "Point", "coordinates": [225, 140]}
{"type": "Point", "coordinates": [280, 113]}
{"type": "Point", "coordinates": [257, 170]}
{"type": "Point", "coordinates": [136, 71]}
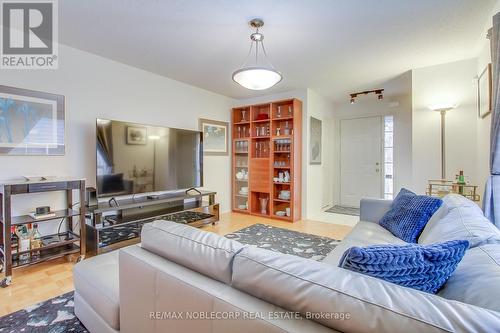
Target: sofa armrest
{"type": "Point", "coordinates": [372, 210]}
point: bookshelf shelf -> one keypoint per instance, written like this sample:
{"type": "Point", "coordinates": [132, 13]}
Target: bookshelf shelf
{"type": "Point", "coordinates": [273, 132]}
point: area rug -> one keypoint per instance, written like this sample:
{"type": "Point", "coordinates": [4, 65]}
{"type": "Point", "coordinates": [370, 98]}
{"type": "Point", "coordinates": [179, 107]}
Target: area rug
{"type": "Point", "coordinates": [57, 315]}
{"type": "Point", "coordinates": [344, 210]}
{"type": "Point", "coordinates": [285, 241]}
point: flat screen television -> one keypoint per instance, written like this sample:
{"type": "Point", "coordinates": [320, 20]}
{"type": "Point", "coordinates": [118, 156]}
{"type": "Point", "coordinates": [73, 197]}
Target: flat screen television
{"type": "Point", "coordinates": [135, 158]}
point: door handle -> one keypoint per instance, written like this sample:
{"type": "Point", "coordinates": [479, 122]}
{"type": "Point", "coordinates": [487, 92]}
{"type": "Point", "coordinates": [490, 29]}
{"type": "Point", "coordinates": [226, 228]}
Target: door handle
{"type": "Point", "coordinates": [377, 170]}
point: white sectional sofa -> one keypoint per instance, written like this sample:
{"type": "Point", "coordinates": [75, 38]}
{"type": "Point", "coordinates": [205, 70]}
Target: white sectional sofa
{"type": "Point", "coordinates": [182, 279]}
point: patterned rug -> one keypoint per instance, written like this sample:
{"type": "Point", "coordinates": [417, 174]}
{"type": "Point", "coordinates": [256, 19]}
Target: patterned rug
{"type": "Point", "coordinates": [344, 210]}
{"type": "Point", "coordinates": [285, 241]}
{"type": "Point", "coordinates": [57, 315]}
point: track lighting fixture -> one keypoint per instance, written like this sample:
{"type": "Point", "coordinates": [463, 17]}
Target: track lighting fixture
{"type": "Point", "coordinates": [378, 92]}
{"type": "Point", "coordinates": [353, 96]}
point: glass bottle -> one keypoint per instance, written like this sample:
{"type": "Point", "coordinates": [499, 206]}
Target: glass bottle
{"type": "Point", "coordinates": [461, 182]}
{"type": "Point", "coordinates": [14, 240]}
{"type": "Point", "coordinates": [24, 242]}
{"type": "Point", "coordinates": [36, 241]}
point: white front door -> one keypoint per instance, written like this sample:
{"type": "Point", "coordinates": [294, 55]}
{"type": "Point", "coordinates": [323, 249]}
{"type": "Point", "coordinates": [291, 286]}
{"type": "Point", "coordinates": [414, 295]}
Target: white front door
{"type": "Point", "coordinates": [360, 160]}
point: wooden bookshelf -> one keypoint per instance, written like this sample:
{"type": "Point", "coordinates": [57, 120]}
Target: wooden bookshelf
{"type": "Point", "coordinates": [267, 142]}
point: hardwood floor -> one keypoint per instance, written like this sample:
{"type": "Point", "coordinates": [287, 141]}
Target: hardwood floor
{"type": "Point", "coordinates": [50, 279]}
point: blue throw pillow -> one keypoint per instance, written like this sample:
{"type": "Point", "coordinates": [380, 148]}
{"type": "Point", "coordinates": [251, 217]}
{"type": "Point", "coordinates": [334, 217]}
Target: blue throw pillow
{"type": "Point", "coordinates": [424, 268]}
{"type": "Point", "coordinates": [409, 214]}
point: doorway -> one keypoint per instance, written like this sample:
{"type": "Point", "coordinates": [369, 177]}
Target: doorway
{"type": "Point", "coordinates": [361, 156]}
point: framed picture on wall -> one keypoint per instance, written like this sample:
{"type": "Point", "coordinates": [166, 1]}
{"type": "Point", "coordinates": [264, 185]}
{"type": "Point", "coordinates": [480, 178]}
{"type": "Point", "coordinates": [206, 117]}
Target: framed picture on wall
{"type": "Point", "coordinates": [137, 135]}
{"type": "Point", "coordinates": [484, 90]}
{"type": "Point", "coordinates": [31, 122]}
{"type": "Point", "coordinates": [215, 136]}
{"type": "Point", "coordinates": [315, 141]}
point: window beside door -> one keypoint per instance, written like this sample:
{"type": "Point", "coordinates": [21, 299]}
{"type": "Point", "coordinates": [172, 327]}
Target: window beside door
{"type": "Point", "coordinates": [388, 157]}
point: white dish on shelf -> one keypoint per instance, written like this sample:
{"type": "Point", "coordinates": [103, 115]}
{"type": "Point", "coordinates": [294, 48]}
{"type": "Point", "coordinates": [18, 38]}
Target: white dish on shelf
{"type": "Point", "coordinates": [280, 213]}
{"type": "Point", "coordinates": [242, 207]}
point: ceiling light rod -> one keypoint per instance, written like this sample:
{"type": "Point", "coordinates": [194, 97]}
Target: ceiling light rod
{"type": "Point", "coordinates": [378, 92]}
{"type": "Point", "coordinates": [257, 76]}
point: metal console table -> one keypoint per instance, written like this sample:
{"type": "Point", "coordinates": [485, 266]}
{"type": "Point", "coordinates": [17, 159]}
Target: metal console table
{"type": "Point", "coordinates": [55, 245]}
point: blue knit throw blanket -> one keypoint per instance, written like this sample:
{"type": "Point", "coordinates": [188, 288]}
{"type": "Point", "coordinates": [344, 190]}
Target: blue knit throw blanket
{"type": "Point", "coordinates": [425, 268]}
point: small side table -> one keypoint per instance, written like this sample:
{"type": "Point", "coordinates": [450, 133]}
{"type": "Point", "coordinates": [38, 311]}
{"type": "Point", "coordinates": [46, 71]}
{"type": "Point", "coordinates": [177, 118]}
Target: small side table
{"type": "Point", "coordinates": [440, 188]}
{"type": "Point", "coordinates": [56, 245]}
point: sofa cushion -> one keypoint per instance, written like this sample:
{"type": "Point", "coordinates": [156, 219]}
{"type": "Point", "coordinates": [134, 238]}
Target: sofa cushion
{"type": "Point", "coordinates": [96, 281]}
{"type": "Point", "coordinates": [477, 278]}
{"type": "Point", "coordinates": [409, 214]}
{"type": "Point", "coordinates": [363, 234]}
{"type": "Point", "coordinates": [459, 218]}
{"type": "Point", "coordinates": [415, 266]}
{"type": "Point", "coordinates": [313, 288]}
{"type": "Point", "coordinates": [204, 252]}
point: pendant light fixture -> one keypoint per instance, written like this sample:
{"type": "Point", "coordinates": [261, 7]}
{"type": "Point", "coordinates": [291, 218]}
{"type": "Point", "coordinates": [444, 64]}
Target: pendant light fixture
{"type": "Point", "coordinates": [257, 75]}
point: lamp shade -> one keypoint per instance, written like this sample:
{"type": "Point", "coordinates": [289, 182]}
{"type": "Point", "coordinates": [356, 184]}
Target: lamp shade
{"type": "Point", "coordinates": [256, 78]}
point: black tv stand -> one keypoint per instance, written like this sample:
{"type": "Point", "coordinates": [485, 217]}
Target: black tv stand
{"type": "Point", "coordinates": [111, 227]}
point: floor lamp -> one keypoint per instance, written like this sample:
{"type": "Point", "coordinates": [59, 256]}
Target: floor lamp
{"type": "Point", "coordinates": [443, 110]}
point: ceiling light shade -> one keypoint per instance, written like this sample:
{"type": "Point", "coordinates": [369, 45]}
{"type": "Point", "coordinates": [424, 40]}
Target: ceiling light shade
{"type": "Point", "coordinates": [257, 76]}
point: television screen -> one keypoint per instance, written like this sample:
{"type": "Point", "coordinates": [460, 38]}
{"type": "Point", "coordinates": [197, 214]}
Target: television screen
{"type": "Point", "coordinates": [135, 158]}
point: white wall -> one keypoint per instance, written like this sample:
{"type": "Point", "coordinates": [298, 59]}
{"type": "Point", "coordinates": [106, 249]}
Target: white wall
{"type": "Point", "coordinates": [320, 177]}
{"type": "Point", "coordinates": [396, 102]}
{"type": "Point", "coordinates": [451, 83]}
{"type": "Point", "coordinates": [484, 124]}
{"type": "Point", "coordinates": [99, 87]}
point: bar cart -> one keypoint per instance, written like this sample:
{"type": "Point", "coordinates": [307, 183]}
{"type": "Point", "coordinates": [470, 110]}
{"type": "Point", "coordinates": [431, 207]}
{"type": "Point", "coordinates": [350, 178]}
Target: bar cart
{"type": "Point", "coordinates": [52, 246]}
{"type": "Point", "coordinates": [440, 188]}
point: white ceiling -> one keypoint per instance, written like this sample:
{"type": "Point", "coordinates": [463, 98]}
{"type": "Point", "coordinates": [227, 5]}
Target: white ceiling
{"type": "Point", "coordinates": [332, 46]}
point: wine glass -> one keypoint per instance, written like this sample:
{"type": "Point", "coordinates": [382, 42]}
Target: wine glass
{"type": "Point", "coordinates": [243, 115]}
